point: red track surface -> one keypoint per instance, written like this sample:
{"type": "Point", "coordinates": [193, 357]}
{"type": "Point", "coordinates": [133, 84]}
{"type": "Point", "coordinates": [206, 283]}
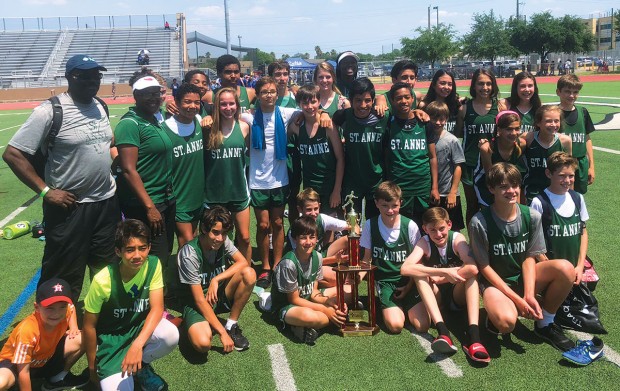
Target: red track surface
{"type": "Point", "coordinates": [421, 86]}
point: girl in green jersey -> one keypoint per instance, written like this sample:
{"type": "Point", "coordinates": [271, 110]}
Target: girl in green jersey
{"type": "Point", "coordinates": [443, 90]}
{"type": "Point", "coordinates": [524, 99]}
{"type": "Point", "coordinates": [331, 98]}
{"type": "Point", "coordinates": [225, 165]}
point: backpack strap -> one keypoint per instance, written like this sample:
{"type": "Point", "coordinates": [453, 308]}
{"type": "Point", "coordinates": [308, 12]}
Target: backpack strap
{"type": "Point", "coordinates": [105, 106]}
{"type": "Point", "coordinates": [56, 121]}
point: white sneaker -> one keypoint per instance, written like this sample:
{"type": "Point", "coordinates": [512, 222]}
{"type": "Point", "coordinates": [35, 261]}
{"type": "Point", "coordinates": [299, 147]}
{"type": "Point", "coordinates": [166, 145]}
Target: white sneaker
{"type": "Point", "coordinates": [264, 301]}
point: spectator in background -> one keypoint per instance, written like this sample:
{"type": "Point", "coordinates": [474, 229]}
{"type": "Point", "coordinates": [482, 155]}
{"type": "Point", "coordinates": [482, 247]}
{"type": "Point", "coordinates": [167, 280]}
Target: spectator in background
{"type": "Point", "coordinates": [346, 71]}
{"type": "Point", "coordinates": [174, 87]}
{"type": "Point", "coordinates": [166, 25]}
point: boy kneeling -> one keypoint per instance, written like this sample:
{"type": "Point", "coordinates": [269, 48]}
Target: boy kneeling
{"type": "Point", "coordinates": [46, 344]}
{"type": "Point", "coordinates": [505, 239]}
{"type": "Point", "coordinates": [296, 298]}
{"type": "Point", "coordinates": [123, 326]}
{"type": "Point", "coordinates": [208, 284]}
{"type": "Point", "coordinates": [443, 269]}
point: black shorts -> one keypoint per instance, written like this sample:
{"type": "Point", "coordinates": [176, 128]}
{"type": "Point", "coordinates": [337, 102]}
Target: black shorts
{"type": "Point", "coordinates": [456, 213]}
{"type": "Point", "coordinates": [52, 367]}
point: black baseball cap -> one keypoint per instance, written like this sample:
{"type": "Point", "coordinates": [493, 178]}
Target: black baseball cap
{"type": "Point", "coordinates": [52, 291]}
{"type": "Point", "coordinates": [83, 61]}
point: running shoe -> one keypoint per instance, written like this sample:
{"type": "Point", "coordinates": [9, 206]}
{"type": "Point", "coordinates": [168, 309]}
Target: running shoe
{"type": "Point", "coordinates": [554, 334]}
{"type": "Point", "coordinates": [307, 335]}
{"type": "Point", "coordinates": [70, 382]}
{"type": "Point", "coordinates": [585, 352]}
{"type": "Point", "coordinates": [149, 380]}
{"type": "Point", "coordinates": [241, 342]}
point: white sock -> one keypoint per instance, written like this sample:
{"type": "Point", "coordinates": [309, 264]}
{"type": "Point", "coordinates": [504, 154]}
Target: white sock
{"type": "Point", "coordinates": [546, 320]}
{"type": "Point", "coordinates": [58, 377]}
{"type": "Point", "coordinates": [230, 323]}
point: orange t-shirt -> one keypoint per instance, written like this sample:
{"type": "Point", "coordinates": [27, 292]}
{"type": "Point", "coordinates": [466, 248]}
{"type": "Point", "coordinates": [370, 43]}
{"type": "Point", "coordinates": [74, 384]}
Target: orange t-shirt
{"type": "Point", "coordinates": [30, 343]}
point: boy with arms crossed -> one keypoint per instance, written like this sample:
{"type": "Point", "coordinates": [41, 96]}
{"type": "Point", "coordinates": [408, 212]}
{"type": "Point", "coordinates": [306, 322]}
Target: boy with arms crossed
{"type": "Point", "coordinates": [387, 240]}
{"type": "Point", "coordinates": [296, 298]}
{"type": "Point", "coordinates": [443, 270]}
{"type": "Point", "coordinates": [207, 285]}
{"type": "Point", "coordinates": [505, 239]}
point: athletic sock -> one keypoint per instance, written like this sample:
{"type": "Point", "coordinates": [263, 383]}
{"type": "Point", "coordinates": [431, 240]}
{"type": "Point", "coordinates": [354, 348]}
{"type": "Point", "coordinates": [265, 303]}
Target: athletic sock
{"type": "Point", "coordinates": [58, 377]}
{"type": "Point", "coordinates": [229, 324]}
{"type": "Point", "coordinates": [546, 320]}
{"type": "Point", "coordinates": [442, 329]}
{"type": "Point", "coordinates": [474, 334]}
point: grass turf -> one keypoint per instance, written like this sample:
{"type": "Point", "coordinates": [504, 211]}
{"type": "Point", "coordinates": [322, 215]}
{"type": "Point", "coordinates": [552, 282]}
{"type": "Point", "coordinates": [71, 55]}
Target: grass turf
{"type": "Point", "coordinates": [381, 362]}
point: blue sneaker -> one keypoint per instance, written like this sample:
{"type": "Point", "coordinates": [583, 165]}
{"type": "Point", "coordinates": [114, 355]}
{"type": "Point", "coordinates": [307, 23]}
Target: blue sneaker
{"type": "Point", "coordinates": [149, 380]}
{"type": "Point", "coordinates": [585, 352]}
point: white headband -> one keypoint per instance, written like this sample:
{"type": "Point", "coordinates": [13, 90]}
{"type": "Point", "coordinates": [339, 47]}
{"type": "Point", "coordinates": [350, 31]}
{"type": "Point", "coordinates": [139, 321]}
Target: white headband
{"type": "Point", "coordinates": [145, 82]}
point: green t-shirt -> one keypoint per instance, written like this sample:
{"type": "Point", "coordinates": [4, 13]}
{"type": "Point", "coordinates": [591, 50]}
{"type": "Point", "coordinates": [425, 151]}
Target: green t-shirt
{"type": "Point", "coordinates": [154, 162]}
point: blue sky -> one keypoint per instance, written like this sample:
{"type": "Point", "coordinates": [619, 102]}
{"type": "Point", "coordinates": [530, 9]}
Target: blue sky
{"type": "Point", "coordinates": [287, 26]}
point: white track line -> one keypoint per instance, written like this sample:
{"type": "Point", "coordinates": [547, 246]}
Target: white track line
{"type": "Point", "coordinates": [607, 150]}
{"type": "Point", "coordinates": [280, 369]}
{"type": "Point", "coordinates": [610, 354]}
{"type": "Point", "coordinates": [446, 364]}
{"type": "Point", "coordinates": [18, 211]}
{"type": "Point", "coordinates": [10, 127]}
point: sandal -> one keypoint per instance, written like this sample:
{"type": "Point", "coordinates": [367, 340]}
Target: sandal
{"type": "Point", "coordinates": [476, 352]}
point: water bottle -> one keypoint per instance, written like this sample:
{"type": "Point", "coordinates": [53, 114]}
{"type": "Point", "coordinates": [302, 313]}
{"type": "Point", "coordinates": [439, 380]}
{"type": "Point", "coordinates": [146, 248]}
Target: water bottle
{"type": "Point", "coordinates": [16, 230]}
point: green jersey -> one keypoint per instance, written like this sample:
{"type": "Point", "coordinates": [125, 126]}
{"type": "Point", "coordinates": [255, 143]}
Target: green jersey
{"type": "Point", "coordinates": [287, 100]}
{"type": "Point", "coordinates": [305, 281]}
{"type": "Point", "coordinates": [577, 132]}
{"type": "Point", "coordinates": [225, 173]}
{"type": "Point", "coordinates": [363, 152]}
{"type": "Point", "coordinates": [121, 319]}
{"type": "Point", "coordinates": [527, 120]}
{"type": "Point", "coordinates": [562, 234]}
{"type": "Point", "coordinates": [154, 162]}
{"type": "Point", "coordinates": [477, 127]}
{"type": "Point", "coordinates": [407, 156]}
{"type": "Point", "coordinates": [187, 157]}
{"type": "Point", "coordinates": [507, 253]}
{"type": "Point", "coordinates": [389, 257]}
{"type": "Point", "coordinates": [436, 260]}
{"type": "Point", "coordinates": [333, 107]}
{"type": "Point", "coordinates": [414, 104]}
{"type": "Point", "coordinates": [318, 161]}
{"type": "Point", "coordinates": [535, 179]}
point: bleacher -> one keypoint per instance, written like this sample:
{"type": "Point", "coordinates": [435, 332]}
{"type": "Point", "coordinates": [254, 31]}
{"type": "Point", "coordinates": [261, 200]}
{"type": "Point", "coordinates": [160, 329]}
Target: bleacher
{"type": "Point", "coordinates": [37, 58]}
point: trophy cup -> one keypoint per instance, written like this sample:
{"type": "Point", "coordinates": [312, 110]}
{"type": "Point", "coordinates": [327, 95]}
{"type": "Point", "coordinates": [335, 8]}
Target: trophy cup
{"type": "Point", "coordinates": [359, 322]}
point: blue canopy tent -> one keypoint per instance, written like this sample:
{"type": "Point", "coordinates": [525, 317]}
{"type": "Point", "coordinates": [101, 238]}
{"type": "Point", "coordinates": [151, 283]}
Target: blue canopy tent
{"type": "Point", "coordinates": [299, 64]}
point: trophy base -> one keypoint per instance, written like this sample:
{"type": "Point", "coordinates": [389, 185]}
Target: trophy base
{"type": "Point", "coordinates": [362, 331]}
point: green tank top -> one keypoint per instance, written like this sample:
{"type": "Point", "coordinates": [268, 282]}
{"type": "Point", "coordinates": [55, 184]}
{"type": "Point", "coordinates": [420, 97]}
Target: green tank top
{"type": "Point", "coordinates": [507, 254]}
{"type": "Point", "coordinates": [287, 100]}
{"type": "Point", "coordinates": [333, 107]}
{"type": "Point", "coordinates": [225, 170]}
{"type": "Point", "coordinates": [562, 234]}
{"type": "Point", "coordinates": [476, 128]}
{"type": "Point", "coordinates": [121, 318]}
{"type": "Point", "coordinates": [318, 161]}
{"type": "Point", "coordinates": [527, 121]}
{"type": "Point", "coordinates": [536, 156]}
{"type": "Point", "coordinates": [187, 157]}
{"type": "Point", "coordinates": [408, 162]}
{"type": "Point", "coordinates": [389, 257]}
{"type": "Point", "coordinates": [482, 191]}
{"type": "Point", "coordinates": [414, 104]}
{"type": "Point", "coordinates": [577, 133]}
{"type": "Point", "coordinates": [436, 260]}
{"type": "Point", "coordinates": [305, 284]}
{"type": "Point", "coordinates": [363, 148]}
{"type": "Point", "coordinates": [244, 100]}
{"type": "Point", "coordinates": [320, 236]}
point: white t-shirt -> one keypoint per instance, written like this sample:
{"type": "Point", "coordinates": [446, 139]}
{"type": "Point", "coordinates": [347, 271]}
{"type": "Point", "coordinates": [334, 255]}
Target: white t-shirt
{"type": "Point", "coordinates": [179, 128]}
{"type": "Point", "coordinates": [563, 204]}
{"type": "Point", "coordinates": [266, 172]}
{"type": "Point", "coordinates": [390, 235]}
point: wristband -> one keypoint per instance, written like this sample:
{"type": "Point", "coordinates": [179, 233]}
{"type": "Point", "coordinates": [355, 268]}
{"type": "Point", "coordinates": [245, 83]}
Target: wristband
{"type": "Point", "coordinates": [44, 191]}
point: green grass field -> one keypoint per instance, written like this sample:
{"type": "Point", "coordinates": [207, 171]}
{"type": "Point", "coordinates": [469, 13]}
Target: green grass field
{"type": "Point", "coordinates": [382, 362]}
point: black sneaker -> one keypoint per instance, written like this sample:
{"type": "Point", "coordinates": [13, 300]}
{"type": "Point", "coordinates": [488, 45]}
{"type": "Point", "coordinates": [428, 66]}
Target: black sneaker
{"type": "Point", "coordinates": [70, 382]}
{"type": "Point", "coordinates": [307, 335]}
{"type": "Point", "coordinates": [555, 336]}
{"type": "Point", "coordinates": [264, 279]}
{"type": "Point", "coordinates": [241, 342]}
{"type": "Point", "coordinates": [491, 328]}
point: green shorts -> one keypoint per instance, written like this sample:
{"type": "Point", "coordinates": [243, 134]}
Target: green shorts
{"type": "Point", "coordinates": [414, 207]}
{"type": "Point", "coordinates": [188, 217]}
{"type": "Point", "coordinates": [467, 175]}
{"type": "Point", "coordinates": [191, 315]}
{"type": "Point", "coordinates": [581, 175]}
{"type": "Point", "coordinates": [268, 199]}
{"type": "Point", "coordinates": [280, 313]}
{"type": "Point", "coordinates": [385, 291]}
{"type": "Point", "coordinates": [231, 206]}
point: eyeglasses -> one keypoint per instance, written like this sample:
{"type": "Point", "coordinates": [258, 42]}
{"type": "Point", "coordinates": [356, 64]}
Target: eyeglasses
{"type": "Point", "coordinates": [267, 93]}
{"type": "Point", "coordinates": [86, 76]}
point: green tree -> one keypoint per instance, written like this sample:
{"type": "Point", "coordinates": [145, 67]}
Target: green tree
{"type": "Point", "coordinates": [488, 38]}
{"type": "Point", "coordinates": [331, 55]}
{"type": "Point", "coordinates": [432, 45]}
{"type": "Point", "coordinates": [285, 56]}
{"type": "Point", "coordinates": [544, 34]}
{"type": "Point", "coordinates": [319, 52]}
{"type": "Point", "coordinates": [261, 57]}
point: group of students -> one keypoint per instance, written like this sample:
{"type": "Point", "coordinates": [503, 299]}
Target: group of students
{"type": "Point", "coordinates": [406, 163]}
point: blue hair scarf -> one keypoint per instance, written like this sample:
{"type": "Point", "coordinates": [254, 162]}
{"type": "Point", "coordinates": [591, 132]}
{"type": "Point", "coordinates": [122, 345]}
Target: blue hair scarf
{"type": "Point", "coordinates": [258, 133]}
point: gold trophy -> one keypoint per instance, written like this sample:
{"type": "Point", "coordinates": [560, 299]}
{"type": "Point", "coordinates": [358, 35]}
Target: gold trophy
{"type": "Point", "coordinates": [359, 322]}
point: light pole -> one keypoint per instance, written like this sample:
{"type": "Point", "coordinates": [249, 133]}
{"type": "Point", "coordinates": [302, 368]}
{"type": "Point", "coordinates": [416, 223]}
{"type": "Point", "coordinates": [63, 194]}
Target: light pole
{"type": "Point", "coordinates": [239, 36]}
{"type": "Point", "coordinates": [437, 8]}
{"type": "Point", "coordinates": [429, 17]}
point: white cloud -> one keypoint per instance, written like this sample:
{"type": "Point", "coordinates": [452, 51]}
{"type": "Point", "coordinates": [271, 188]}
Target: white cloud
{"type": "Point", "coordinates": [302, 19]}
{"type": "Point", "coordinates": [47, 2]}
{"type": "Point", "coordinates": [211, 11]}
